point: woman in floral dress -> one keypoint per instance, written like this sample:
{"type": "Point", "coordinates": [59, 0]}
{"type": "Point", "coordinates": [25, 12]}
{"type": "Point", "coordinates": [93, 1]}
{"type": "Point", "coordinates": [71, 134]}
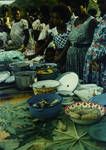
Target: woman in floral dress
{"type": "Point", "coordinates": [95, 60]}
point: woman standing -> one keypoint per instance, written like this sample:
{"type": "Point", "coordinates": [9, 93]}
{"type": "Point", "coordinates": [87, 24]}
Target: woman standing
{"type": "Point", "coordinates": [19, 31]}
{"type": "Point", "coordinates": [80, 37]}
{"type": "Point", "coordinates": [60, 15]}
{"type": "Point", "coordinates": [95, 60]}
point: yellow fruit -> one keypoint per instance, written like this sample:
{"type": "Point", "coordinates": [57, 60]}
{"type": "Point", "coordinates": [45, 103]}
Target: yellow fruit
{"type": "Point", "coordinates": [74, 115]}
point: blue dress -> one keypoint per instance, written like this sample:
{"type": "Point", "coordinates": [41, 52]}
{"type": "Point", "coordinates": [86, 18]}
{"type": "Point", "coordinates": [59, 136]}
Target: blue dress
{"type": "Point", "coordinates": [96, 51]}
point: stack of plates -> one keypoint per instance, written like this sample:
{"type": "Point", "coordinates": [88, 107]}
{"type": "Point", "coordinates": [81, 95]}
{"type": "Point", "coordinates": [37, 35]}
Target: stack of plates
{"type": "Point", "coordinates": [4, 75]}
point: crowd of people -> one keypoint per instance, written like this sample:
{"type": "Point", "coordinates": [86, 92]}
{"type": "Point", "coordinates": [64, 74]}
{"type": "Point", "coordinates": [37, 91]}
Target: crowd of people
{"type": "Point", "coordinates": [66, 33]}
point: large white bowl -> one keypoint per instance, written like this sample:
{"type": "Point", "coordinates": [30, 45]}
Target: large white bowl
{"type": "Point", "coordinates": [45, 86]}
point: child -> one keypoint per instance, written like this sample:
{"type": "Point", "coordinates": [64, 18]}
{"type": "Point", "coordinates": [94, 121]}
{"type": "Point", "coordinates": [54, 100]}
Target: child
{"type": "Point", "coordinates": [60, 15]}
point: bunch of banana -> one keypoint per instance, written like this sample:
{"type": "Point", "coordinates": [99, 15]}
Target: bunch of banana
{"type": "Point", "coordinates": [74, 115]}
{"type": "Point", "coordinates": [45, 71]}
{"type": "Point", "coordinates": [85, 113]}
{"type": "Point", "coordinates": [92, 115]}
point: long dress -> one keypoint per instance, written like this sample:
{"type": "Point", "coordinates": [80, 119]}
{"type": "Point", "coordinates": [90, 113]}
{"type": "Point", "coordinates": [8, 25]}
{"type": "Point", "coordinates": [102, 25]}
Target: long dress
{"type": "Point", "coordinates": [17, 32]}
{"type": "Point", "coordinates": [96, 51]}
{"type": "Point", "coordinates": [80, 42]}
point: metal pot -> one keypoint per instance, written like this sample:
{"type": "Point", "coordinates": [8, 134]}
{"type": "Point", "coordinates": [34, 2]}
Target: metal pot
{"type": "Point", "coordinates": [24, 79]}
{"type": "Point", "coordinates": [19, 66]}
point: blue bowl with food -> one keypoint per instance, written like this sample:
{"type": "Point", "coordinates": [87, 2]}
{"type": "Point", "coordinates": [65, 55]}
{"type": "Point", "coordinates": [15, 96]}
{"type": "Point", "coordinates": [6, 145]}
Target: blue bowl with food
{"type": "Point", "coordinates": [45, 106]}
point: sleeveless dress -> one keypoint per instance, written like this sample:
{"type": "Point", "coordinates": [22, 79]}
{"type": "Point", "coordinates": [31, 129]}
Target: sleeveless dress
{"type": "Point", "coordinates": [80, 42]}
{"type": "Point", "coordinates": [17, 32]}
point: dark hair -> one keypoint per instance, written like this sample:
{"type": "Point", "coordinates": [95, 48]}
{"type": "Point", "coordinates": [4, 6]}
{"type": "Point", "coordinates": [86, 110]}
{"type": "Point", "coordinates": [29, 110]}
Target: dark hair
{"type": "Point", "coordinates": [14, 10]}
{"type": "Point", "coordinates": [45, 13]}
{"type": "Point", "coordinates": [92, 12]}
{"type": "Point", "coordinates": [62, 11]}
{"type": "Point", "coordinates": [4, 9]}
{"type": "Point", "coordinates": [66, 2]}
{"type": "Point", "coordinates": [79, 2]}
{"type": "Point", "coordinates": [101, 1]}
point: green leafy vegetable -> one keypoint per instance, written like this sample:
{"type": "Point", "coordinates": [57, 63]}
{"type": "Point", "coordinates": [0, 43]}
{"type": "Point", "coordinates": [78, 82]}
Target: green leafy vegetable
{"type": "Point", "coordinates": [27, 133]}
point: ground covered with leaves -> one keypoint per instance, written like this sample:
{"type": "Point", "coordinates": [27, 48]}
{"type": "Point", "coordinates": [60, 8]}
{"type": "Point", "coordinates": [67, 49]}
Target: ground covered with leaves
{"type": "Point", "coordinates": [19, 131]}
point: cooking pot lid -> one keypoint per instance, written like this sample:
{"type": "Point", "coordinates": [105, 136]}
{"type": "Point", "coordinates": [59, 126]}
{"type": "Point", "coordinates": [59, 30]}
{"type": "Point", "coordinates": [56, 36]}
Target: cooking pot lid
{"type": "Point", "coordinates": [69, 82]}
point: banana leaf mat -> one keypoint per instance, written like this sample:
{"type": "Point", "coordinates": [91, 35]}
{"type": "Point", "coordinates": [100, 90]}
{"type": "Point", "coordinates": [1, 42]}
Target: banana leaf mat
{"type": "Point", "coordinates": [19, 131]}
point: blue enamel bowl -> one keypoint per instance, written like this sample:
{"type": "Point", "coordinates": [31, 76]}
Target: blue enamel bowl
{"type": "Point", "coordinates": [47, 112]}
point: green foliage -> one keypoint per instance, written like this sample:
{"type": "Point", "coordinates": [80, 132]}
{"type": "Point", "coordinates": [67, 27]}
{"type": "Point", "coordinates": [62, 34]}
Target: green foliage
{"type": "Point", "coordinates": [28, 133]}
{"type": "Point", "coordinates": [73, 138]}
{"type": "Point", "coordinates": [9, 144]}
{"type": "Point", "coordinates": [12, 118]}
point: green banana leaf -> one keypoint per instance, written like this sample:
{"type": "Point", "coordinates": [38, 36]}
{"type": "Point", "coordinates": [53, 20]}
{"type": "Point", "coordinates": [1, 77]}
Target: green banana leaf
{"type": "Point", "coordinates": [32, 134]}
{"type": "Point", "coordinates": [75, 137]}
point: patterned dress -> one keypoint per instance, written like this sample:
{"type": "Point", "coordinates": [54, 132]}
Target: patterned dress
{"type": "Point", "coordinates": [60, 41]}
{"type": "Point", "coordinates": [80, 42]}
{"type": "Point", "coordinates": [96, 51]}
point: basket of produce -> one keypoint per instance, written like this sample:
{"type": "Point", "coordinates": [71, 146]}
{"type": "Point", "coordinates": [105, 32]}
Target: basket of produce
{"type": "Point", "coordinates": [85, 112]}
{"type": "Point", "coordinates": [45, 106]}
{"type": "Point", "coordinates": [45, 86]}
{"type": "Point", "coordinates": [46, 71]}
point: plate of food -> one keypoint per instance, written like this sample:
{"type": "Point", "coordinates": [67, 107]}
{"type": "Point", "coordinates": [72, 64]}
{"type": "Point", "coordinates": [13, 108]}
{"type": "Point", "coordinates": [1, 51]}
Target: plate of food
{"type": "Point", "coordinates": [85, 112]}
{"type": "Point", "coordinates": [46, 71]}
{"type": "Point", "coordinates": [47, 68]}
{"type": "Point", "coordinates": [45, 86]}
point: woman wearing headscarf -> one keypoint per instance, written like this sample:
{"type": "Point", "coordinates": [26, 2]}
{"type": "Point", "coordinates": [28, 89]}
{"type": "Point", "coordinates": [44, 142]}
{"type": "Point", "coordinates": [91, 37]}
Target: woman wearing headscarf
{"type": "Point", "coordinates": [95, 60]}
{"type": "Point", "coordinates": [80, 37]}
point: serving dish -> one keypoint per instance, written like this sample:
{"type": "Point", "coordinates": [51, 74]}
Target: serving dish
{"type": "Point", "coordinates": [46, 71]}
{"type": "Point", "coordinates": [85, 112]}
{"type": "Point", "coordinates": [45, 106]}
{"type": "Point", "coordinates": [45, 86]}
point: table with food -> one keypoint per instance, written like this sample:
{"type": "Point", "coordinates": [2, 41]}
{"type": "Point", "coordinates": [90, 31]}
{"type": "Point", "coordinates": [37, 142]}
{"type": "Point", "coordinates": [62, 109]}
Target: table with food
{"type": "Point", "coordinates": [60, 112]}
